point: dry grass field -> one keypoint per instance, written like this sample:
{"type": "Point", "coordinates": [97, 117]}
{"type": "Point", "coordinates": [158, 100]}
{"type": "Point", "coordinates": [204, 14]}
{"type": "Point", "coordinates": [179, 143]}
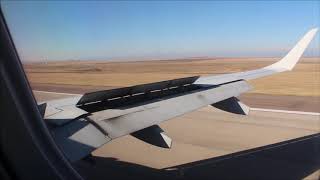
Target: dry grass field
{"type": "Point", "coordinates": [304, 80]}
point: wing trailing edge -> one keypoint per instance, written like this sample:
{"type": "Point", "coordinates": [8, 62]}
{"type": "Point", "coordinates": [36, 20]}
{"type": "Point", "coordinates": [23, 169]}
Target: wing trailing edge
{"type": "Point", "coordinates": [79, 137]}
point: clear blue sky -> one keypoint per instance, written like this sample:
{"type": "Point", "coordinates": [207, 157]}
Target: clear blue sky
{"type": "Point", "coordinates": [119, 30]}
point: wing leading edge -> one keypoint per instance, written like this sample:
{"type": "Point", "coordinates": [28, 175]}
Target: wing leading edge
{"type": "Point", "coordinates": [84, 123]}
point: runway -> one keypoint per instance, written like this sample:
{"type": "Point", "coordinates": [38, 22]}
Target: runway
{"type": "Point", "coordinates": [207, 133]}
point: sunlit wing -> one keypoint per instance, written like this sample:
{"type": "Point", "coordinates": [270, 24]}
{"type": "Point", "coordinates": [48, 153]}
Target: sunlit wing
{"type": "Point", "coordinates": [83, 123]}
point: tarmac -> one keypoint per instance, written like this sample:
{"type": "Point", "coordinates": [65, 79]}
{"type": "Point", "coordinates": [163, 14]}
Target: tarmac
{"type": "Point", "coordinates": [203, 134]}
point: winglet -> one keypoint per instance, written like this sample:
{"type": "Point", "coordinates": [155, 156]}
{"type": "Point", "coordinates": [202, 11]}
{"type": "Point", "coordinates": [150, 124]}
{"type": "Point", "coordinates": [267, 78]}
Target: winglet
{"type": "Point", "coordinates": [285, 64]}
{"type": "Point", "coordinates": [290, 60]}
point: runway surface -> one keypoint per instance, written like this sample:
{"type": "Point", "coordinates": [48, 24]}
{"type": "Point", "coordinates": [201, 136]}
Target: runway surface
{"type": "Point", "coordinates": [207, 133]}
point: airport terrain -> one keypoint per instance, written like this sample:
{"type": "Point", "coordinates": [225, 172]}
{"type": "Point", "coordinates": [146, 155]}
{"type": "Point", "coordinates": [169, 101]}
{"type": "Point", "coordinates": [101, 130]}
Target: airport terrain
{"type": "Point", "coordinates": [202, 135]}
{"type": "Point", "coordinates": [297, 90]}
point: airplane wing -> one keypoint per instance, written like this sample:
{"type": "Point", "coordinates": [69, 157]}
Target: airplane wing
{"type": "Point", "coordinates": [83, 123]}
{"type": "Point", "coordinates": [285, 64]}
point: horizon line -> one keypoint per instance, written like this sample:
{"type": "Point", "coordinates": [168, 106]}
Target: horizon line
{"type": "Point", "coordinates": [160, 59]}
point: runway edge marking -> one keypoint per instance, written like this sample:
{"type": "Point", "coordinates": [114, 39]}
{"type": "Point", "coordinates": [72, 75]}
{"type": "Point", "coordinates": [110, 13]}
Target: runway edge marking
{"type": "Point", "coordinates": [285, 111]}
{"type": "Point", "coordinates": [49, 92]}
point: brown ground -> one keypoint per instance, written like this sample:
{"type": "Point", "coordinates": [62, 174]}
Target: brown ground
{"type": "Point", "coordinates": [296, 90]}
{"type": "Point", "coordinates": [283, 102]}
{"type": "Point", "coordinates": [201, 135]}
{"type": "Point", "coordinates": [204, 134]}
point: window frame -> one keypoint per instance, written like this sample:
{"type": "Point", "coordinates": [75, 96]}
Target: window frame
{"type": "Point", "coordinates": [27, 150]}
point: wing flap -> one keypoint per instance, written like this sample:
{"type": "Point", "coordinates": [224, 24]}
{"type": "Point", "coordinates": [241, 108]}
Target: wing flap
{"type": "Point", "coordinates": [63, 114]}
{"type": "Point", "coordinates": [159, 111]}
{"type": "Point", "coordinates": [78, 138]}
